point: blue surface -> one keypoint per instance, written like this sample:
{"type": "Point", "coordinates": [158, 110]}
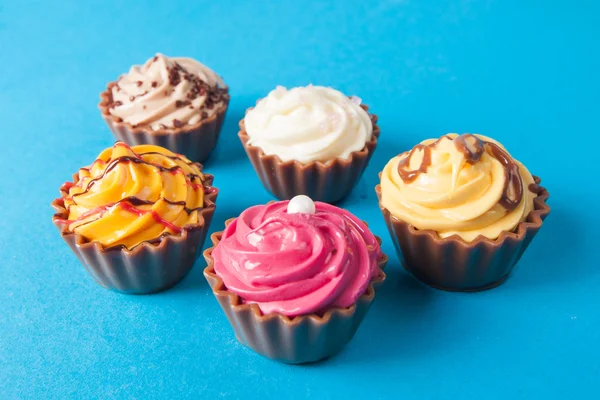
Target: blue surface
{"type": "Point", "coordinates": [523, 72]}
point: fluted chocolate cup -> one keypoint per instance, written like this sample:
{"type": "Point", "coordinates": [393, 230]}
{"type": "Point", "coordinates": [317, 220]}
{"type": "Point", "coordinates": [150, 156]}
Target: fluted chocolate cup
{"type": "Point", "coordinates": [297, 340]}
{"type": "Point", "coordinates": [328, 181]}
{"type": "Point", "coordinates": [453, 264]}
{"type": "Point", "coordinates": [150, 267]}
{"type": "Point", "coordinates": [196, 141]}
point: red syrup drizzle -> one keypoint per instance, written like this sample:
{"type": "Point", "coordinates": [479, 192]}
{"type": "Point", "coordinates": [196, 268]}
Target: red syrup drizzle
{"type": "Point", "coordinates": [126, 206]}
{"type": "Point", "coordinates": [68, 185]}
{"type": "Point", "coordinates": [130, 208]}
{"type": "Point", "coordinates": [93, 211]}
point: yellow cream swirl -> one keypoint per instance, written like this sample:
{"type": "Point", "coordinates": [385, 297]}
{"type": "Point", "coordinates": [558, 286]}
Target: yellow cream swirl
{"type": "Point", "coordinates": [130, 195]}
{"type": "Point", "coordinates": [466, 185]}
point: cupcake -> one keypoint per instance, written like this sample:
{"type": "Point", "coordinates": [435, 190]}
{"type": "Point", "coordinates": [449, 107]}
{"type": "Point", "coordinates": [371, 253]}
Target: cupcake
{"type": "Point", "coordinates": [461, 211]}
{"type": "Point", "coordinates": [176, 103]}
{"type": "Point", "coordinates": [295, 278]}
{"type": "Point", "coordinates": [309, 140]}
{"type": "Point", "coordinates": [137, 217]}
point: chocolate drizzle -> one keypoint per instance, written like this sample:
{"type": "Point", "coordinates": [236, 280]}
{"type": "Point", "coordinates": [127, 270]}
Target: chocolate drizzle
{"type": "Point", "coordinates": [409, 176]}
{"type": "Point", "coordinates": [125, 159]}
{"type": "Point", "coordinates": [472, 148]}
{"type": "Point", "coordinates": [512, 193]}
{"type": "Point", "coordinates": [136, 201]}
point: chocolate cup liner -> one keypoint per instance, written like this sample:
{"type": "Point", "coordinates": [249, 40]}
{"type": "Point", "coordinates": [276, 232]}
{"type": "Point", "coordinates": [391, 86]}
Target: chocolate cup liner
{"type": "Point", "coordinates": [329, 182]}
{"type": "Point", "coordinates": [453, 264]}
{"type": "Point", "coordinates": [149, 267]}
{"type": "Point", "coordinates": [302, 339]}
{"type": "Point", "coordinates": [196, 141]}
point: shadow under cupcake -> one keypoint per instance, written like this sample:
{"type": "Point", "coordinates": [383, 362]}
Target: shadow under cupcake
{"type": "Point", "coordinates": [137, 217]}
{"type": "Point", "coordinates": [461, 211]}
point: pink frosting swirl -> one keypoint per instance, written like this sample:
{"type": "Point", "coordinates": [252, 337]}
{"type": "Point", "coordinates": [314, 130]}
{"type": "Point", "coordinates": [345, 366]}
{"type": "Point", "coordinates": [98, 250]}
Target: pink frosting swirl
{"type": "Point", "coordinates": [297, 264]}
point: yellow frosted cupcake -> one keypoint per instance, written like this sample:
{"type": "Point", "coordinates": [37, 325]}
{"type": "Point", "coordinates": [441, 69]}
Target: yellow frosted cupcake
{"type": "Point", "coordinates": [461, 210]}
{"type": "Point", "coordinates": [136, 217]}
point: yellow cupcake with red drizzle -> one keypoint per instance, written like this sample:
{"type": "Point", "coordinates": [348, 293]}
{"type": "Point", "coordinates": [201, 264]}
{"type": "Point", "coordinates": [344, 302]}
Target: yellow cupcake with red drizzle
{"type": "Point", "coordinates": [134, 195]}
{"type": "Point", "coordinates": [461, 210]}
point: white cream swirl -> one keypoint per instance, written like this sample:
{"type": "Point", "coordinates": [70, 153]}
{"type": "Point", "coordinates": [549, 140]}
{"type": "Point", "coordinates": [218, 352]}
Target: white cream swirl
{"type": "Point", "coordinates": [312, 123]}
{"type": "Point", "coordinates": [167, 93]}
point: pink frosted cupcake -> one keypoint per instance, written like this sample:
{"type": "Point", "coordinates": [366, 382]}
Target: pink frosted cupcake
{"type": "Point", "coordinates": [295, 278]}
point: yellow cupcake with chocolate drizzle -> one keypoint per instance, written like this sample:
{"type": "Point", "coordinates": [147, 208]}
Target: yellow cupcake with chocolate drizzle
{"type": "Point", "coordinates": [131, 195]}
{"type": "Point", "coordinates": [466, 185]}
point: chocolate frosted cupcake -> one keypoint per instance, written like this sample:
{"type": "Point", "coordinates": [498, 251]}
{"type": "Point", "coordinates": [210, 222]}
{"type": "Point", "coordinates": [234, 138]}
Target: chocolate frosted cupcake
{"type": "Point", "coordinates": [176, 103]}
{"type": "Point", "coordinates": [461, 211]}
{"type": "Point", "coordinates": [309, 140]}
{"type": "Point", "coordinates": [137, 217]}
{"type": "Point", "coordinates": [295, 278]}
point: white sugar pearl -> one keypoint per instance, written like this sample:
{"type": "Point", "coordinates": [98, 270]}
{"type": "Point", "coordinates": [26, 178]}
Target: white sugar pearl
{"type": "Point", "coordinates": [301, 204]}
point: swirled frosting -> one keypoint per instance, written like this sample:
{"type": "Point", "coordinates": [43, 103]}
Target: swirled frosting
{"type": "Point", "coordinates": [134, 194]}
{"type": "Point", "coordinates": [306, 124]}
{"type": "Point", "coordinates": [295, 263]}
{"type": "Point", "coordinates": [466, 185]}
{"type": "Point", "coordinates": [167, 93]}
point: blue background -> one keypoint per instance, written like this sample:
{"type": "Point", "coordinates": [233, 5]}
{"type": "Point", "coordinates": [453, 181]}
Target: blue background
{"type": "Point", "coordinates": [523, 72]}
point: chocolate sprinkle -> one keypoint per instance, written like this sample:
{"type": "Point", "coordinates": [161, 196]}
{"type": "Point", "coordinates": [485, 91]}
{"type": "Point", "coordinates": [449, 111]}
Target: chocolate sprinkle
{"type": "Point", "coordinates": [182, 103]}
{"type": "Point", "coordinates": [195, 87]}
{"type": "Point", "coordinates": [174, 75]}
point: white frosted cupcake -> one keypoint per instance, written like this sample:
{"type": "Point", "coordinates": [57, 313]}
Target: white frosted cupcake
{"type": "Point", "coordinates": [309, 140]}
